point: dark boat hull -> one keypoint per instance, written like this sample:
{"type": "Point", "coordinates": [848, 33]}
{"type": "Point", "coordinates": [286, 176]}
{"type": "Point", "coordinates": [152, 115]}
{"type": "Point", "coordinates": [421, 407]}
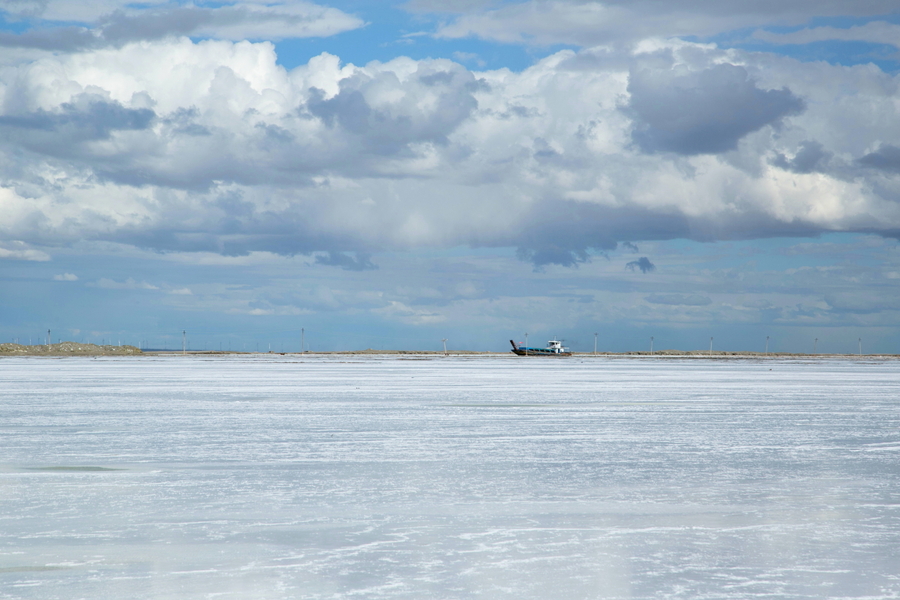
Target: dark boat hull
{"type": "Point", "coordinates": [538, 352]}
{"type": "Point", "coordinates": [523, 351]}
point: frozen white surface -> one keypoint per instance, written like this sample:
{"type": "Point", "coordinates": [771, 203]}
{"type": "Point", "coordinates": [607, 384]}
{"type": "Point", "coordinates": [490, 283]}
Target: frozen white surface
{"type": "Point", "coordinates": [386, 477]}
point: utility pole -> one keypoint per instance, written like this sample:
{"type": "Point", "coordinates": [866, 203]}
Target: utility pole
{"type": "Point", "coordinates": [302, 340]}
{"type": "Point", "coordinates": [183, 342]}
{"type": "Point", "coordinates": [815, 346]}
{"type": "Point", "coordinates": [710, 346]}
{"type": "Point", "coordinates": [48, 337]}
{"type": "Point", "coordinates": [526, 343]}
{"type": "Point", "coordinates": [595, 343]}
{"type": "Point", "coordinates": [445, 346]}
{"type": "Point", "coordinates": [767, 344]}
{"type": "Point", "coordinates": [860, 346]}
{"type": "Point", "coordinates": [651, 345]}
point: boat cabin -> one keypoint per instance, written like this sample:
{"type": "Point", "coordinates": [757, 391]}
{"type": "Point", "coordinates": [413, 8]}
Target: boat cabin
{"type": "Point", "coordinates": [555, 346]}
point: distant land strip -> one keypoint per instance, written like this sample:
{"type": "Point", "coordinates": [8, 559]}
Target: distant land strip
{"type": "Point", "coordinates": [81, 349]}
{"type": "Point", "coordinates": [67, 349]}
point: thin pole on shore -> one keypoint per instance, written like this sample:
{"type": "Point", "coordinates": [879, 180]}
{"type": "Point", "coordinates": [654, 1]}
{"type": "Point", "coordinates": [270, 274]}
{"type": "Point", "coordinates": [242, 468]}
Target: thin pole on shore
{"type": "Point", "coordinates": [860, 346]}
{"type": "Point", "coordinates": [302, 340]}
{"type": "Point", "coordinates": [710, 346]}
{"type": "Point", "coordinates": [183, 341]}
{"type": "Point", "coordinates": [48, 337]}
{"type": "Point", "coordinates": [595, 343]}
{"type": "Point", "coordinates": [815, 345]}
{"type": "Point", "coordinates": [767, 344]}
{"type": "Point", "coordinates": [445, 346]}
{"type": "Point", "coordinates": [526, 343]}
{"type": "Point", "coordinates": [651, 345]}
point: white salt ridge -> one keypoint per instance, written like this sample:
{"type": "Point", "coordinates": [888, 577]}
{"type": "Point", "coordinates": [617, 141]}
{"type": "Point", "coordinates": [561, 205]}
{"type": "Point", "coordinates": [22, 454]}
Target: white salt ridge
{"type": "Point", "coordinates": [378, 477]}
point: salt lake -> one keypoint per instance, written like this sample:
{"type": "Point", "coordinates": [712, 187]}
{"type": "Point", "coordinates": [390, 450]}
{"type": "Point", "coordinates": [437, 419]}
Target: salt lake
{"type": "Point", "coordinates": [348, 476]}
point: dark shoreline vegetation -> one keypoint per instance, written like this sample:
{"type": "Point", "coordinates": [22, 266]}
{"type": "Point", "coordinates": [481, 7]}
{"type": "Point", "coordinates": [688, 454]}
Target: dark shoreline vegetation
{"type": "Point", "coordinates": [81, 349]}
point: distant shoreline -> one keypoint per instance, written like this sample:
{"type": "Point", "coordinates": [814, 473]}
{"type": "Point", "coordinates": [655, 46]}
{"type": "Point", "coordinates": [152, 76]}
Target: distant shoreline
{"type": "Point", "coordinates": [62, 349]}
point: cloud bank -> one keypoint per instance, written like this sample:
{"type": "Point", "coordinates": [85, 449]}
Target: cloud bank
{"type": "Point", "coordinates": [180, 145]}
{"type": "Point", "coordinates": [591, 23]}
{"type": "Point", "coordinates": [113, 23]}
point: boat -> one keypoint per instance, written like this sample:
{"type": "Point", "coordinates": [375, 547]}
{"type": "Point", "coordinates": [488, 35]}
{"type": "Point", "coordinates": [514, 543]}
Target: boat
{"type": "Point", "coordinates": [554, 348]}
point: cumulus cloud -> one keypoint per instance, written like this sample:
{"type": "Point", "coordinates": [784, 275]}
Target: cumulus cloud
{"type": "Point", "coordinates": [702, 112]}
{"type": "Point", "coordinates": [85, 118]}
{"type": "Point", "coordinates": [65, 277]}
{"type": "Point", "coordinates": [372, 114]}
{"type": "Point", "coordinates": [212, 147]}
{"type": "Point", "coordinates": [886, 158]}
{"type": "Point", "coordinates": [809, 158]}
{"type": "Point", "coordinates": [643, 264]}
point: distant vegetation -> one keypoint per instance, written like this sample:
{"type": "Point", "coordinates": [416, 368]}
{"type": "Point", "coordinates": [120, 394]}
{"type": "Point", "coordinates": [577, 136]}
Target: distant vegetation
{"type": "Point", "coordinates": [67, 349]}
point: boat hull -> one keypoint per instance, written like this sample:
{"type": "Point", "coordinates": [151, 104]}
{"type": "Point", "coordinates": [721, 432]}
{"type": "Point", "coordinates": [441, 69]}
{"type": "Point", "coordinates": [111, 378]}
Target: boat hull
{"type": "Point", "coordinates": [538, 352]}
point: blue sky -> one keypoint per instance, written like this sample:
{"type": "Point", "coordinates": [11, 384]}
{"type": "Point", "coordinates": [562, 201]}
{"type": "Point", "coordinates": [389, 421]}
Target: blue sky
{"type": "Point", "coordinates": [386, 177]}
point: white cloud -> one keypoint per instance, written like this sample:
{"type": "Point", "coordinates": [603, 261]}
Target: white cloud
{"type": "Point", "coordinates": [119, 22]}
{"type": "Point", "coordinates": [879, 32]}
{"type": "Point", "coordinates": [17, 250]}
{"type": "Point", "coordinates": [65, 277]}
{"type": "Point", "coordinates": [181, 292]}
{"type": "Point", "coordinates": [469, 57]}
{"type": "Point", "coordinates": [128, 284]}
{"type": "Point", "coordinates": [413, 316]}
{"type": "Point", "coordinates": [586, 23]}
{"type": "Point", "coordinates": [213, 148]}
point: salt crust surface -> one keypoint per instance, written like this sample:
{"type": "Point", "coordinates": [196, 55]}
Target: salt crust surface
{"type": "Point", "coordinates": [448, 477]}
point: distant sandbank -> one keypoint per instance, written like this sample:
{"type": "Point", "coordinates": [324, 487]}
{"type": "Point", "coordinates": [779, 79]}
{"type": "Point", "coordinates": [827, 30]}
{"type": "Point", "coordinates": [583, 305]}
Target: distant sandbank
{"type": "Point", "coordinates": [67, 349]}
{"type": "Point", "coordinates": [82, 349]}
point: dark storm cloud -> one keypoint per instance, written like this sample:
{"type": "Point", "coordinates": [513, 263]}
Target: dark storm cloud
{"type": "Point", "coordinates": [811, 157]}
{"type": "Point", "coordinates": [360, 262]}
{"type": "Point", "coordinates": [886, 158]}
{"type": "Point", "coordinates": [702, 112]}
{"type": "Point", "coordinates": [643, 263]}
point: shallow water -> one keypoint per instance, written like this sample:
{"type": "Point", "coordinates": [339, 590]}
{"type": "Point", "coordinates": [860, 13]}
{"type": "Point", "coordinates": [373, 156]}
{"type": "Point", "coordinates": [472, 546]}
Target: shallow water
{"type": "Point", "coordinates": [384, 477]}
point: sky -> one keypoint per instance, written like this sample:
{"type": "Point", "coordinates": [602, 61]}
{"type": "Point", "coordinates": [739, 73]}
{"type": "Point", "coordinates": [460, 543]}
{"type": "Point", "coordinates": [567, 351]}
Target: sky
{"type": "Point", "coordinates": [360, 174]}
